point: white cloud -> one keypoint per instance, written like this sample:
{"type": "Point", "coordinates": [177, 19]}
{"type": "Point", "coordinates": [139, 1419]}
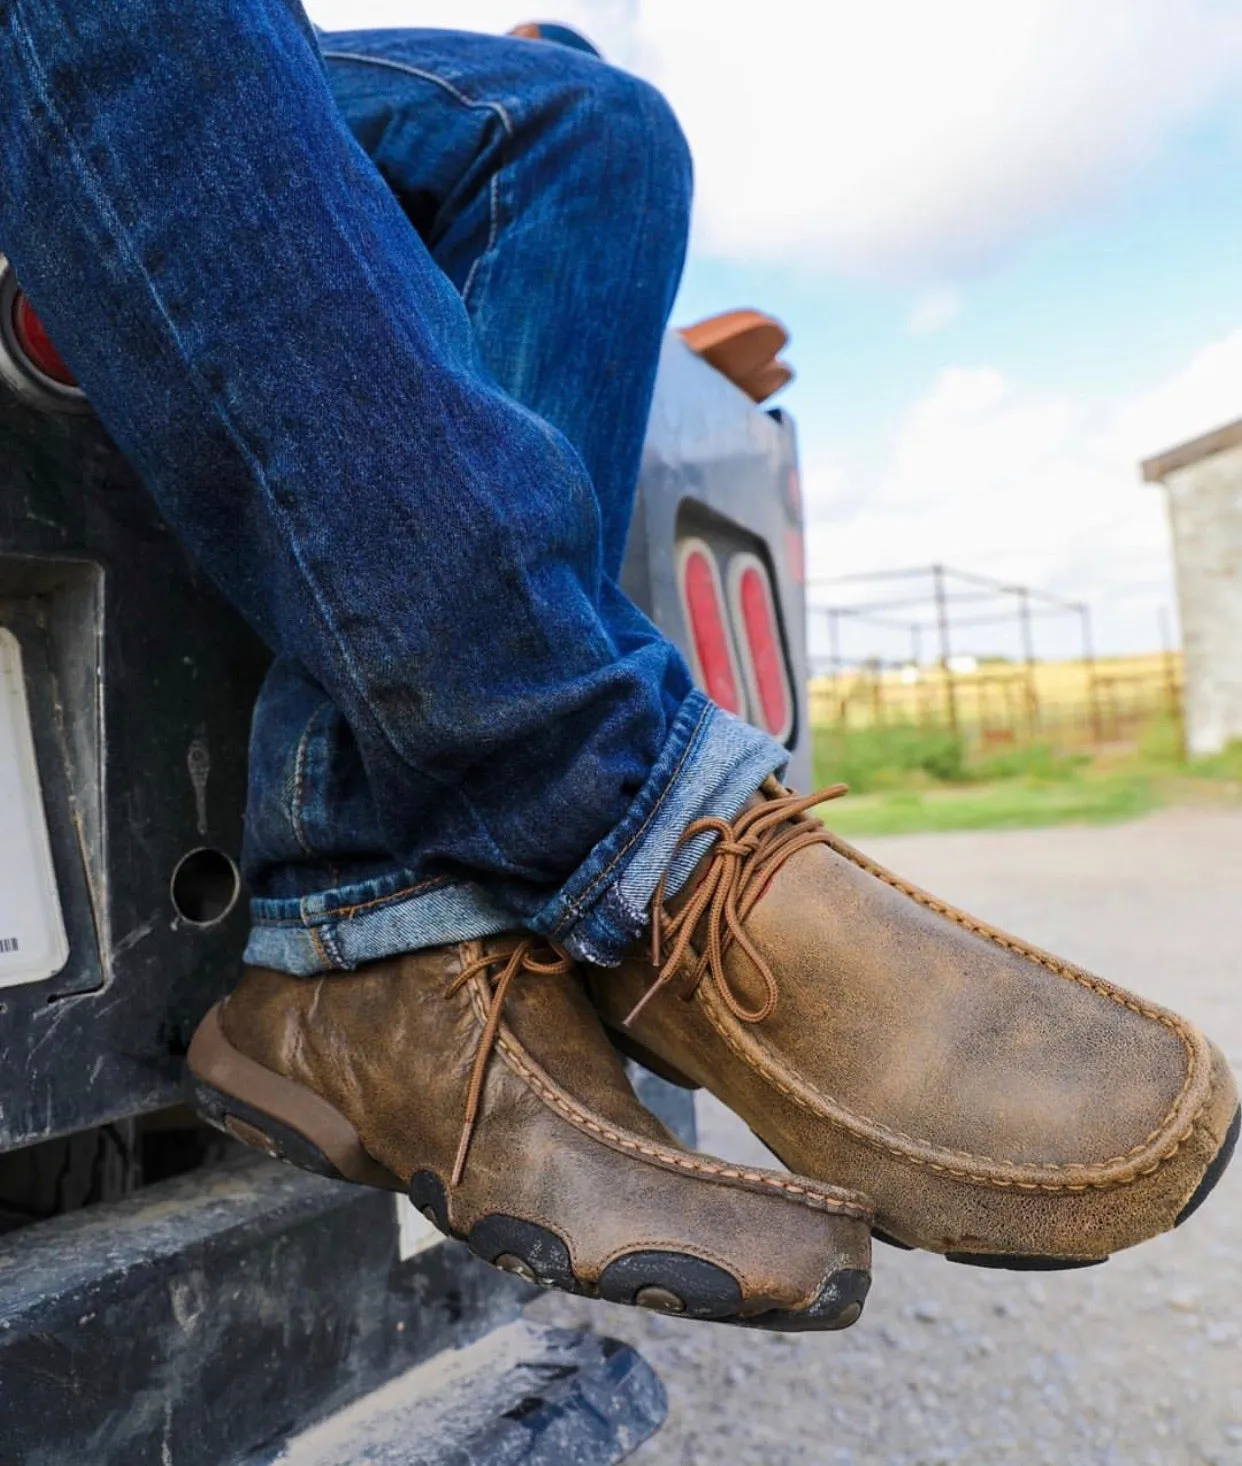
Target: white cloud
{"type": "Point", "coordinates": [990, 476]}
{"type": "Point", "coordinates": [910, 141]}
{"type": "Point", "coordinates": [1205, 395]}
{"type": "Point", "coordinates": [897, 138]}
{"type": "Point", "coordinates": [934, 311]}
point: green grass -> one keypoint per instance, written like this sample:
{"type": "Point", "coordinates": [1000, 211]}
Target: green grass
{"type": "Point", "coordinates": [1005, 805]}
{"type": "Point", "coordinates": [906, 779]}
{"type": "Point", "coordinates": [1226, 765]}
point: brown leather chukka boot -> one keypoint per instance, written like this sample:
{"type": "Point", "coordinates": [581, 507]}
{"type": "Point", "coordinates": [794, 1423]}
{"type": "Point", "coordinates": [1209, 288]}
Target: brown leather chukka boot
{"type": "Point", "coordinates": [998, 1104]}
{"type": "Point", "coordinates": [477, 1077]}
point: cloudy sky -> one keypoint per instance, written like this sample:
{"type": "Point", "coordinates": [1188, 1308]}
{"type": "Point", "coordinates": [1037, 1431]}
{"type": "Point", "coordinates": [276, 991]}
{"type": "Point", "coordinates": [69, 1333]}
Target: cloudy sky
{"type": "Point", "coordinates": [1007, 239]}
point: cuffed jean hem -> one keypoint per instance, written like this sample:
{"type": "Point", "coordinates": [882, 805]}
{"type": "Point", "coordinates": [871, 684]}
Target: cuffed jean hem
{"type": "Point", "coordinates": [711, 764]}
{"type": "Point", "coordinates": [342, 929]}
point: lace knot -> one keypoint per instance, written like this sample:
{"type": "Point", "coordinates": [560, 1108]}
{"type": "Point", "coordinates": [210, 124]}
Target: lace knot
{"type": "Point", "coordinates": [734, 875]}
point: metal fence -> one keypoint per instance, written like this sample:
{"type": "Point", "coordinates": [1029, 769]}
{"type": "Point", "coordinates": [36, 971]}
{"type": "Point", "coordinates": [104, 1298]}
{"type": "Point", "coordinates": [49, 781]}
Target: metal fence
{"type": "Point", "coordinates": [1084, 702]}
{"type": "Point", "coordinates": [1065, 703]}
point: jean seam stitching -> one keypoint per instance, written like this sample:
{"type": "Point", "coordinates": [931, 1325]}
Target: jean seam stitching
{"type": "Point", "coordinates": [474, 104]}
{"type": "Point", "coordinates": [577, 904]}
{"type": "Point", "coordinates": [498, 110]}
{"type": "Point", "coordinates": [493, 234]}
{"type": "Point", "coordinates": [119, 238]}
{"type": "Point", "coordinates": [326, 937]}
{"type": "Point", "coordinates": [300, 780]}
{"type": "Point", "coordinates": [345, 912]}
{"type": "Point", "coordinates": [455, 92]}
{"type": "Point", "coordinates": [309, 919]}
{"type": "Point", "coordinates": [320, 951]}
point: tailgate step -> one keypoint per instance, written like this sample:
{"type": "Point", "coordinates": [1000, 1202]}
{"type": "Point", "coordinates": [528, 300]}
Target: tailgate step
{"type": "Point", "coordinates": [524, 1393]}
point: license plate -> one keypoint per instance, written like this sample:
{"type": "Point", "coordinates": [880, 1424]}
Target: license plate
{"type": "Point", "coordinates": [33, 944]}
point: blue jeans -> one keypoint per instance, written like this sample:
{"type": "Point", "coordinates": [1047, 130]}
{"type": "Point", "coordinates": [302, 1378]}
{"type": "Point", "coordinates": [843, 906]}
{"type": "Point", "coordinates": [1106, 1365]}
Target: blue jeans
{"type": "Point", "coordinates": [378, 327]}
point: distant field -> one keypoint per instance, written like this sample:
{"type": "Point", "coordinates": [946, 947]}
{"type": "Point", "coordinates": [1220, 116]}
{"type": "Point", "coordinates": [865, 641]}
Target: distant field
{"type": "Point", "coordinates": [1005, 702]}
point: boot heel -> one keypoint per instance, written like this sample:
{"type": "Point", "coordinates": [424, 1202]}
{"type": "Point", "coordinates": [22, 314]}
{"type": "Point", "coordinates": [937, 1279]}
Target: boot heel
{"type": "Point", "coordinates": [242, 1122]}
{"type": "Point", "coordinates": [276, 1115]}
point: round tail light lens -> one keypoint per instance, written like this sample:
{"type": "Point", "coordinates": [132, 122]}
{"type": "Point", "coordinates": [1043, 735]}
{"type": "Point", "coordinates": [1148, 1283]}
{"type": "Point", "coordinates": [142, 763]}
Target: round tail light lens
{"type": "Point", "coordinates": [33, 339]}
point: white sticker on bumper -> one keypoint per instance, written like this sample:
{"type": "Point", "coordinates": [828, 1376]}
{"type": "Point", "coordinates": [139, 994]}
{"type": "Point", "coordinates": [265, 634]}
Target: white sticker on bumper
{"type": "Point", "coordinates": [33, 944]}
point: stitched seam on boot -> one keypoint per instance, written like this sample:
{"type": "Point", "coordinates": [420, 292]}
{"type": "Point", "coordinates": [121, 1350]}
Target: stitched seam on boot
{"type": "Point", "coordinates": [1058, 968]}
{"type": "Point", "coordinates": [1013, 944]}
{"type": "Point", "coordinates": [1005, 1183]}
{"type": "Point", "coordinates": [657, 1155]}
{"type": "Point", "coordinates": [690, 1249]}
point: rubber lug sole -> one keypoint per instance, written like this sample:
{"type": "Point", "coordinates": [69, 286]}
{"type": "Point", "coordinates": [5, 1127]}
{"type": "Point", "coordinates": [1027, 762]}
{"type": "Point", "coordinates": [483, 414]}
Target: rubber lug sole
{"type": "Point", "coordinates": [1017, 1263]}
{"type": "Point", "coordinates": [278, 1116]}
{"type": "Point", "coordinates": [258, 1130]}
{"type": "Point", "coordinates": [838, 1306]}
{"type": "Point", "coordinates": [892, 1241]}
{"type": "Point", "coordinates": [290, 1123]}
{"type": "Point", "coordinates": [1012, 1262]}
{"type": "Point", "coordinates": [657, 1278]}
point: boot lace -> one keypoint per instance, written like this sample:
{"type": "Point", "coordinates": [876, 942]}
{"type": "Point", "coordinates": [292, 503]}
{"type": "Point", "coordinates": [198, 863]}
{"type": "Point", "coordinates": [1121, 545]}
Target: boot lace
{"type": "Point", "coordinates": [542, 959]}
{"type": "Point", "coordinates": [741, 864]}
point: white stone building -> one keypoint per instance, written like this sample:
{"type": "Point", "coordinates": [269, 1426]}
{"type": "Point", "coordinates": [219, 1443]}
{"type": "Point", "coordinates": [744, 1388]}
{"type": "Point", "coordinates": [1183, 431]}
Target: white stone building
{"type": "Point", "coordinates": [1203, 482]}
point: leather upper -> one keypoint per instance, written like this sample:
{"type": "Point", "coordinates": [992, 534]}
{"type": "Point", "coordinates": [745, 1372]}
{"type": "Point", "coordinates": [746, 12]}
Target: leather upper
{"type": "Point", "coordinates": [990, 1097]}
{"type": "Point", "coordinates": [561, 1141]}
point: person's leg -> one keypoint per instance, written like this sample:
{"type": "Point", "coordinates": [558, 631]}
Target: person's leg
{"type": "Point", "coordinates": [320, 429]}
{"type": "Point", "coordinates": [240, 294]}
{"type": "Point", "coordinates": [554, 191]}
{"type": "Point", "coordinates": [513, 161]}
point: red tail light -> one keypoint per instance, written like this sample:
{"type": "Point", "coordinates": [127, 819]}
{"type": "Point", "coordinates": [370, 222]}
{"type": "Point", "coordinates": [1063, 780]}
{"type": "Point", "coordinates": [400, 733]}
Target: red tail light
{"type": "Point", "coordinates": [37, 344]}
{"type": "Point", "coordinates": [703, 603]}
{"type": "Point", "coordinates": [762, 651]}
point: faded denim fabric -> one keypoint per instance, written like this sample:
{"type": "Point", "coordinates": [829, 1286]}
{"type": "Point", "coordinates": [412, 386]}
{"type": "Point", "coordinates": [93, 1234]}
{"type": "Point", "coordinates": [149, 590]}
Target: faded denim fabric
{"type": "Point", "coordinates": [379, 328]}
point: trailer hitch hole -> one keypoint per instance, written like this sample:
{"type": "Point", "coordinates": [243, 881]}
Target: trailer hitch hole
{"type": "Point", "coordinates": [205, 887]}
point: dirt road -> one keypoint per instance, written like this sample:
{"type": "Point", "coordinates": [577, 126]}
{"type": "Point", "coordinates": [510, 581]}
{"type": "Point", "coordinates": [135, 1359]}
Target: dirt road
{"type": "Point", "coordinates": [1137, 1363]}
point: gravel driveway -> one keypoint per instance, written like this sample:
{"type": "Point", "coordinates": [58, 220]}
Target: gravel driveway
{"type": "Point", "coordinates": [1137, 1363]}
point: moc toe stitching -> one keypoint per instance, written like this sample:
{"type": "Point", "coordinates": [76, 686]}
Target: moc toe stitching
{"type": "Point", "coordinates": [657, 1155]}
{"type": "Point", "coordinates": [814, 1196]}
{"type": "Point", "coordinates": [798, 1312]}
{"type": "Point", "coordinates": [1086, 1175]}
{"type": "Point", "coordinates": [1046, 960]}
